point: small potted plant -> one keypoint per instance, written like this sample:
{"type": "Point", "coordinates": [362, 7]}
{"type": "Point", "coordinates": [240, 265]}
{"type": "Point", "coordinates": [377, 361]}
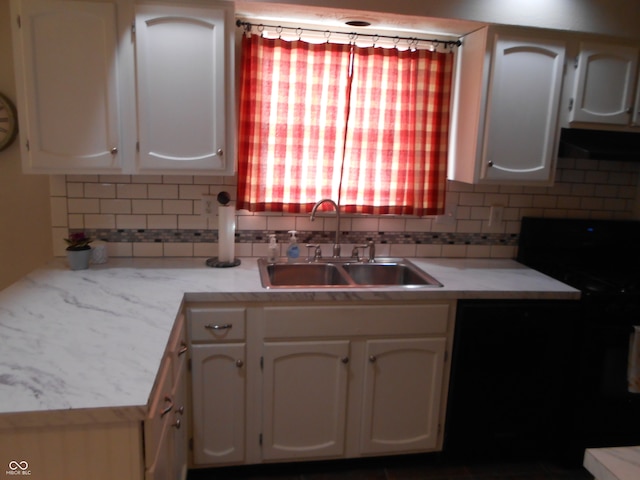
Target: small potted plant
{"type": "Point", "coordinates": [78, 251]}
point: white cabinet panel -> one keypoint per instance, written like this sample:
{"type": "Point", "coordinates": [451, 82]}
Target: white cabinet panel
{"type": "Point", "coordinates": [522, 114]}
{"type": "Point", "coordinates": [604, 84]}
{"type": "Point", "coordinates": [218, 383]}
{"type": "Point", "coordinates": [180, 70]}
{"type": "Point", "coordinates": [305, 399]}
{"type": "Point", "coordinates": [393, 422]}
{"type": "Point", "coordinates": [66, 67]}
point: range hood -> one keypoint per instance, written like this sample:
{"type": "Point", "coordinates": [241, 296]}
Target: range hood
{"type": "Point", "coordinates": [599, 145]}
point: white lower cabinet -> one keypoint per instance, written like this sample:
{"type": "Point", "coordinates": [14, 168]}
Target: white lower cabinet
{"type": "Point", "coordinates": [308, 382]}
{"type": "Point", "coordinates": [304, 399]}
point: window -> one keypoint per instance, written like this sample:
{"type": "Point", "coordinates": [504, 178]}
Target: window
{"type": "Point", "coordinates": [367, 127]}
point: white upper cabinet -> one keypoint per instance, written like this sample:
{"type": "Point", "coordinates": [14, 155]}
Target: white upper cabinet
{"type": "Point", "coordinates": [125, 88]}
{"type": "Point", "coordinates": [505, 119]}
{"type": "Point", "coordinates": [66, 62]}
{"type": "Point", "coordinates": [181, 65]}
{"type": "Point", "coordinates": [604, 85]}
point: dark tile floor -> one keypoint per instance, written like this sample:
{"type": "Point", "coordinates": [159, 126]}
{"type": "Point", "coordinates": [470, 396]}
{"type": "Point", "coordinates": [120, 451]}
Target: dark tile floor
{"type": "Point", "coordinates": [396, 468]}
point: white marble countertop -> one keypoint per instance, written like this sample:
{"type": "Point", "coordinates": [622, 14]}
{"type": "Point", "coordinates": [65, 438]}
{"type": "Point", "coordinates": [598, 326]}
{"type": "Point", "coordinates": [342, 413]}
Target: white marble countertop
{"type": "Point", "coordinates": [616, 463]}
{"type": "Point", "coordinates": [91, 341]}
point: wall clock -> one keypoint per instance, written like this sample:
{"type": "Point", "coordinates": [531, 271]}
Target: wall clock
{"type": "Point", "coordinates": [8, 122]}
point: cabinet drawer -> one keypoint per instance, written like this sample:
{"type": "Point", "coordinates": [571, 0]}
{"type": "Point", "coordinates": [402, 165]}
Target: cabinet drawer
{"type": "Point", "coordinates": [216, 324]}
{"type": "Point", "coordinates": [362, 320]}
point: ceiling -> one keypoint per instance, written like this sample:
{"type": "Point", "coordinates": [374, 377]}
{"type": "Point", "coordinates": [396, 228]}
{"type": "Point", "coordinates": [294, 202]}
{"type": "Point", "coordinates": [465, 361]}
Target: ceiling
{"type": "Point", "coordinates": [335, 19]}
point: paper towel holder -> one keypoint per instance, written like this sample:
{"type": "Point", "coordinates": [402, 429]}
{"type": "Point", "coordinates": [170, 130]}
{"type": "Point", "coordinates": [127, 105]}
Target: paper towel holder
{"type": "Point", "coordinates": [223, 199]}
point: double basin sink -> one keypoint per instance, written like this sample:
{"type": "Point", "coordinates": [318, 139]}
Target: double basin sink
{"type": "Point", "coordinates": [384, 272]}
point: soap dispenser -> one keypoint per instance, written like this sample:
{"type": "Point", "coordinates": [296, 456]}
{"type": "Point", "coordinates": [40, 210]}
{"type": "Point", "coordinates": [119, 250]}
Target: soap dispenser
{"type": "Point", "coordinates": [273, 249]}
{"type": "Point", "coordinates": [293, 250]}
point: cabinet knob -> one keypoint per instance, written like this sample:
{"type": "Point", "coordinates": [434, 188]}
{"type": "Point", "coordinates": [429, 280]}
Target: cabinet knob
{"type": "Point", "coordinates": [177, 424]}
{"type": "Point", "coordinates": [219, 152]}
{"type": "Point", "coordinates": [239, 363]}
{"type": "Point", "coordinates": [169, 401]}
{"type": "Point", "coordinates": [373, 358]}
{"type": "Point", "coordinates": [225, 326]}
{"type": "Point", "coordinates": [490, 163]}
{"type": "Point", "coordinates": [183, 349]}
{"type": "Point", "coordinates": [344, 360]}
{"type": "Point", "coordinates": [114, 151]}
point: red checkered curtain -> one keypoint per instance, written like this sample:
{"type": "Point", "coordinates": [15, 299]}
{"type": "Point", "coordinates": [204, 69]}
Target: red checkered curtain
{"type": "Point", "coordinates": [367, 127]}
{"type": "Point", "coordinates": [293, 108]}
{"type": "Point", "coordinates": [396, 151]}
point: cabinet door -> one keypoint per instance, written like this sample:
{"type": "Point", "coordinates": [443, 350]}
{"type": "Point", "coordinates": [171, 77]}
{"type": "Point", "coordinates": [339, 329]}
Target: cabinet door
{"type": "Point", "coordinates": [305, 399]}
{"type": "Point", "coordinates": [402, 395]}
{"type": "Point", "coordinates": [180, 74]}
{"type": "Point", "coordinates": [604, 85]}
{"type": "Point", "coordinates": [522, 111]}
{"type": "Point", "coordinates": [218, 382]}
{"type": "Point", "coordinates": [66, 56]}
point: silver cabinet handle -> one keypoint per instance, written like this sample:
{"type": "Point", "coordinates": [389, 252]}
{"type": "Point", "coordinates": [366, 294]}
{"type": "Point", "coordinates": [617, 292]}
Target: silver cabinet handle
{"type": "Point", "coordinates": [177, 424]}
{"type": "Point", "coordinates": [114, 151]}
{"type": "Point", "coordinates": [225, 326]}
{"type": "Point", "coordinates": [373, 358]}
{"type": "Point", "coordinates": [239, 363]}
{"type": "Point", "coordinates": [183, 349]}
{"type": "Point", "coordinates": [220, 152]}
{"type": "Point", "coordinates": [490, 163]}
{"type": "Point", "coordinates": [168, 408]}
{"type": "Point", "coordinates": [344, 360]}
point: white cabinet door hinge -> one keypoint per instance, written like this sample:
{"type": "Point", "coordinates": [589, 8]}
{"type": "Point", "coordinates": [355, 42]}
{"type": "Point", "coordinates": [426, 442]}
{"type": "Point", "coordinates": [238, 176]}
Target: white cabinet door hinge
{"type": "Point", "coordinates": [19, 21]}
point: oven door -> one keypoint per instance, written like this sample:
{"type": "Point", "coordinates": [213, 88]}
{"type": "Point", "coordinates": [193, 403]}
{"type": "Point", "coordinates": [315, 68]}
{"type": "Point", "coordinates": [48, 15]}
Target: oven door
{"type": "Point", "coordinates": [606, 413]}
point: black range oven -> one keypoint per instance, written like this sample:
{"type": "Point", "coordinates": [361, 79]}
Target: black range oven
{"type": "Point", "coordinates": [601, 258]}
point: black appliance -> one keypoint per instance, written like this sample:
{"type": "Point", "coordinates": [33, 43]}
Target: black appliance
{"type": "Point", "coordinates": [601, 258]}
{"type": "Point", "coordinates": [599, 145]}
{"type": "Point", "coordinates": [511, 383]}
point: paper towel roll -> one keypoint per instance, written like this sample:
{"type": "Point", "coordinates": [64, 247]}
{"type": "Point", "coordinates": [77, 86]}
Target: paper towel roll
{"type": "Point", "coordinates": [99, 252]}
{"type": "Point", "coordinates": [633, 371]}
{"type": "Point", "coordinates": [226, 232]}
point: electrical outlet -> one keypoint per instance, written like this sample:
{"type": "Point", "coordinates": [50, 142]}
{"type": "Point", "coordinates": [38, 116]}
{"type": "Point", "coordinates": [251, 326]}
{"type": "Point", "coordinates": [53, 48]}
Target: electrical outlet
{"type": "Point", "coordinates": [209, 206]}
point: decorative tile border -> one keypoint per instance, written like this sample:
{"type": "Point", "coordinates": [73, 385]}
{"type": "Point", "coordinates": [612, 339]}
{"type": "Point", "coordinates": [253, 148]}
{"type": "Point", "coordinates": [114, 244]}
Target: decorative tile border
{"type": "Point", "coordinates": [262, 236]}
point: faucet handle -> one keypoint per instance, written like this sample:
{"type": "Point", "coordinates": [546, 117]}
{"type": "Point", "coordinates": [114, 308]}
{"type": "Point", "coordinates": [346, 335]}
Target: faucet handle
{"type": "Point", "coordinates": [317, 255]}
{"type": "Point", "coordinates": [355, 254]}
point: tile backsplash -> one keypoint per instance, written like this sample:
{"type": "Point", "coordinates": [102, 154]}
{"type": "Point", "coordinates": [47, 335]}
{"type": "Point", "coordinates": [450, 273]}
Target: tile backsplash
{"type": "Point", "coordinates": [148, 215]}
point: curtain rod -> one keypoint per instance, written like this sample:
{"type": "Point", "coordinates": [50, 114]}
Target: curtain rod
{"type": "Point", "coordinates": [352, 35]}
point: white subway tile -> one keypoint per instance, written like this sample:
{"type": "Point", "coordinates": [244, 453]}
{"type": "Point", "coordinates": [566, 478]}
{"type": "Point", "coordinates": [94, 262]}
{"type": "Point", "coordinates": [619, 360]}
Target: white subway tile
{"type": "Point", "coordinates": [146, 249]}
{"type": "Point", "coordinates": [181, 207]}
{"type": "Point", "coordinates": [428, 250]}
{"type": "Point", "coordinates": [131, 190]}
{"type": "Point", "coordinates": [418, 224]}
{"type": "Point", "coordinates": [205, 249]}
{"type": "Point", "coordinates": [386, 224]}
{"type": "Point", "coordinates": [163, 192]}
{"type": "Point", "coordinates": [243, 250]}
{"type": "Point", "coordinates": [115, 206]}
{"type": "Point", "coordinates": [192, 192]}
{"type": "Point", "coordinates": [131, 221]}
{"type": "Point", "coordinates": [253, 222]}
{"type": "Point", "coordinates": [281, 223]}
{"type": "Point", "coordinates": [58, 234]}
{"type": "Point", "coordinates": [146, 179]}
{"type": "Point", "coordinates": [146, 206]}
{"type": "Point", "coordinates": [99, 190]}
{"type": "Point", "coordinates": [82, 178]}
{"type": "Point", "coordinates": [478, 251]}
{"type": "Point", "coordinates": [192, 222]}
{"type": "Point", "coordinates": [115, 178]}
{"type": "Point", "coordinates": [76, 221]}
{"type": "Point", "coordinates": [454, 251]}
{"type": "Point", "coordinates": [178, 249]}
{"type": "Point", "coordinates": [169, 222]}
{"type": "Point", "coordinates": [120, 249]}
{"type": "Point", "coordinates": [178, 179]}
{"type": "Point", "coordinates": [99, 221]}
{"type": "Point", "coordinates": [81, 205]}
{"type": "Point", "coordinates": [75, 190]}
{"type": "Point", "coordinates": [402, 250]}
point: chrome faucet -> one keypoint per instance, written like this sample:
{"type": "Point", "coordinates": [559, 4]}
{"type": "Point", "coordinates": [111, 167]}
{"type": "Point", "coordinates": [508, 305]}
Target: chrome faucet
{"type": "Point", "coordinates": [336, 244]}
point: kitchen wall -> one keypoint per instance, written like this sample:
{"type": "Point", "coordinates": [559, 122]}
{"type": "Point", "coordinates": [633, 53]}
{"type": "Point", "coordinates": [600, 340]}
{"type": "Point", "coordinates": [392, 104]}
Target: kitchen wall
{"type": "Point", "coordinates": [160, 215]}
{"type": "Point", "coordinates": [25, 228]}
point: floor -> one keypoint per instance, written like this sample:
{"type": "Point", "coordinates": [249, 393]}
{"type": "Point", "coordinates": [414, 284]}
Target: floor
{"type": "Point", "coordinates": [396, 468]}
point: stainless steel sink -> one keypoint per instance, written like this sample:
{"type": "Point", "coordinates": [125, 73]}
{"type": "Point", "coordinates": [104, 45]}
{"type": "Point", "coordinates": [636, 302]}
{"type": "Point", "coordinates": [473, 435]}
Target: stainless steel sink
{"type": "Point", "coordinates": [401, 273]}
{"type": "Point", "coordinates": [388, 272]}
{"type": "Point", "coordinates": [306, 275]}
